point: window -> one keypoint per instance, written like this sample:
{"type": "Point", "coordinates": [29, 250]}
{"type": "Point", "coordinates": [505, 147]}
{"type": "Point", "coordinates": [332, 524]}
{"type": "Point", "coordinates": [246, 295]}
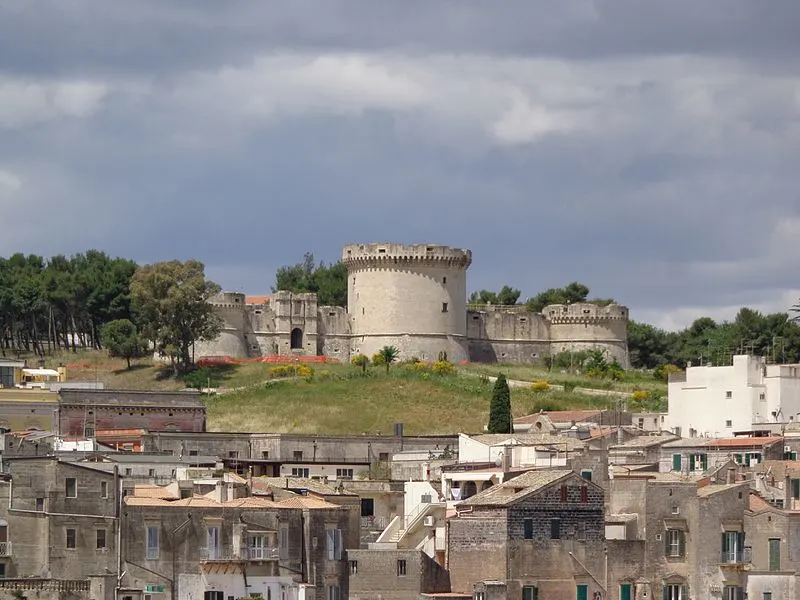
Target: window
{"type": "Point", "coordinates": [297, 455]}
{"type": "Point", "coordinates": [71, 487]}
{"type": "Point", "coordinates": [192, 452]}
{"type": "Point", "coordinates": [332, 592]}
{"type": "Point", "coordinates": [71, 538]}
{"type": "Point", "coordinates": [728, 423]}
{"type": "Point", "coordinates": [151, 472]}
{"type": "Point", "coordinates": [88, 431]}
{"type": "Point", "coordinates": [40, 504]}
{"type": "Point", "coordinates": [732, 592]}
{"type": "Point", "coordinates": [344, 473]}
{"type": "Point", "coordinates": [555, 529]}
{"type": "Point", "coordinates": [212, 542]}
{"type": "Point", "coordinates": [300, 472]}
{"type": "Point", "coordinates": [676, 510]}
{"type": "Point", "coordinates": [528, 529]}
{"type": "Point", "coordinates": [353, 564]}
{"type": "Point", "coordinates": [641, 422]}
{"type": "Point", "coordinates": [104, 489]}
{"type": "Point", "coordinates": [676, 462]}
{"type": "Point", "coordinates": [401, 568]}
{"type": "Point", "coordinates": [674, 591]}
{"type": "Point", "coordinates": [530, 592]}
{"type": "Point", "coordinates": [101, 539]}
{"type": "Point", "coordinates": [233, 454]}
{"type": "Point", "coordinates": [732, 547]}
{"type": "Point", "coordinates": [675, 543]}
{"type": "Point", "coordinates": [2, 570]}
{"type": "Point", "coordinates": [367, 507]}
{"type": "Point", "coordinates": [283, 541]}
{"type": "Point", "coordinates": [444, 306]}
{"type": "Point", "coordinates": [383, 456]}
{"type": "Point", "coordinates": [152, 543]}
{"type": "Point", "coordinates": [444, 279]}
{"type": "Point", "coordinates": [698, 462]}
{"type": "Point", "coordinates": [333, 543]}
{"type": "Point", "coordinates": [214, 595]}
{"type": "Point", "coordinates": [584, 494]}
{"type": "Point", "coordinates": [128, 472]}
{"type": "Point", "coordinates": [625, 591]}
{"type": "Point", "coordinates": [766, 596]}
{"type": "Point", "coordinates": [762, 396]}
{"type": "Point", "coordinates": [729, 394]}
{"type": "Point", "coordinates": [774, 554]}
{"type": "Point", "coordinates": [586, 474]}
{"type": "Point", "coordinates": [257, 547]}
{"type": "Point", "coordinates": [582, 591]}
{"type": "Point", "coordinates": [265, 454]}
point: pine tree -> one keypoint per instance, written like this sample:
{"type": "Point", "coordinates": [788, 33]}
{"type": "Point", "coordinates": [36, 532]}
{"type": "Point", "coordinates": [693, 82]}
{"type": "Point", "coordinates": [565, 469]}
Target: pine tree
{"type": "Point", "coordinates": [500, 408]}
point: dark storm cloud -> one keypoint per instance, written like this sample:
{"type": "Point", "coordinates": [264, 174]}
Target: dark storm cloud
{"type": "Point", "coordinates": [646, 149]}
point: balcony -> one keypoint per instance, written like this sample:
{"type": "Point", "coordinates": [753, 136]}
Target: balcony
{"type": "Point", "coordinates": [736, 558]}
{"type": "Point", "coordinates": [5, 549]}
{"type": "Point", "coordinates": [253, 553]}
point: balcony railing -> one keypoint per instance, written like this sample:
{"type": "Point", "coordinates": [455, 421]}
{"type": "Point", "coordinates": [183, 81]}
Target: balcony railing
{"type": "Point", "coordinates": [5, 548]}
{"type": "Point", "coordinates": [244, 554]}
{"type": "Point", "coordinates": [736, 557]}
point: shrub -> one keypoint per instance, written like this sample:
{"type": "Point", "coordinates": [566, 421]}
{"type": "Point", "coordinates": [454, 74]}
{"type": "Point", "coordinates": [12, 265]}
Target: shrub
{"type": "Point", "coordinates": [662, 372]}
{"type": "Point", "coordinates": [378, 360]}
{"type": "Point", "coordinates": [420, 367]}
{"type": "Point", "coordinates": [640, 396]}
{"type": "Point", "coordinates": [282, 371]}
{"type": "Point", "coordinates": [360, 360]}
{"type": "Point", "coordinates": [442, 367]}
{"type": "Point", "coordinates": [304, 371]}
{"type": "Point", "coordinates": [325, 374]}
{"type": "Point", "coordinates": [545, 405]}
{"type": "Point", "coordinates": [569, 386]}
{"type": "Point", "coordinates": [540, 385]}
{"type": "Point", "coordinates": [199, 378]}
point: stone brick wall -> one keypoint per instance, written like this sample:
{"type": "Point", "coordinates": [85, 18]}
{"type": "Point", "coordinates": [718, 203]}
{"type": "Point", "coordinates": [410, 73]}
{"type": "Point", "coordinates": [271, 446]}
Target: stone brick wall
{"type": "Point", "coordinates": [477, 548]}
{"type": "Point", "coordinates": [376, 573]}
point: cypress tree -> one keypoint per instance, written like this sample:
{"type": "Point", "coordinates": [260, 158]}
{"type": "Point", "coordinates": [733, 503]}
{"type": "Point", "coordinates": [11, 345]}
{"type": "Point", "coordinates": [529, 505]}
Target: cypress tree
{"type": "Point", "coordinates": [500, 408]}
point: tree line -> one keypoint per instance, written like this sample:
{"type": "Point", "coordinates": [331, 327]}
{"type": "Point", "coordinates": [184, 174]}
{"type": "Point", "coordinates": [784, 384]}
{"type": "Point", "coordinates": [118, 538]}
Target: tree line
{"type": "Point", "coordinates": [91, 300]}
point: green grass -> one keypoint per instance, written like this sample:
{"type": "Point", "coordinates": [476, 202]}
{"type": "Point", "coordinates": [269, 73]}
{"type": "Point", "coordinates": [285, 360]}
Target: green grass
{"type": "Point", "coordinates": [354, 404]}
{"type": "Point", "coordinates": [338, 399]}
{"type": "Point", "coordinates": [634, 380]}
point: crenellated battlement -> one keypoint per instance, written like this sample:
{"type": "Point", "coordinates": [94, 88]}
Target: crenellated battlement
{"type": "Point", "coordinates": [356, 256]}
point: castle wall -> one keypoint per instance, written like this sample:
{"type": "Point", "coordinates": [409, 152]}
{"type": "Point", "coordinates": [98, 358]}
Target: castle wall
{"type": "Point", "coordinates": [414, 298]}
{"type": "Point", "coordinates": [506, 334]}
{"type": "Point", "coordinates": [411, 297]}
{"type": "Point", "coordinates": [586, 326]}
{"type": "Point", "coordinates": [333, 333]}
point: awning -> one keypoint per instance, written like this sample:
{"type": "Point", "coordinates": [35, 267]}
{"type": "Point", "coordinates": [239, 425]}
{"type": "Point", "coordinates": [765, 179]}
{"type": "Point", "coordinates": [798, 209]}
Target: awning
{"type": "Point", "coordinates": [41, 372]}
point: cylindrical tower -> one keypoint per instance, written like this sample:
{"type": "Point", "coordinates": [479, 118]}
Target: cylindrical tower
{"type": "Point", "coordinates": [586, 326]}
{"type": "Point", "coordinates": [412, 297]}
{"type": "Point", "coordinates": [230, 307]}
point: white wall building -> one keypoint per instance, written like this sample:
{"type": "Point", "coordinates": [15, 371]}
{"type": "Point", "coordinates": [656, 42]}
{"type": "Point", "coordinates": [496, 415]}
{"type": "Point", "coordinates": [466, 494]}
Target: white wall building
{"type": "Point", "coordinates": [718, 401]}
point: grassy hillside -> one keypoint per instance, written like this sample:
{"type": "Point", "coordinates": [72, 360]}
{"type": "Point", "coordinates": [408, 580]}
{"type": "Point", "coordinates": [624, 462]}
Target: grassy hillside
{"type": "Point", "coordinates": [339, 399]}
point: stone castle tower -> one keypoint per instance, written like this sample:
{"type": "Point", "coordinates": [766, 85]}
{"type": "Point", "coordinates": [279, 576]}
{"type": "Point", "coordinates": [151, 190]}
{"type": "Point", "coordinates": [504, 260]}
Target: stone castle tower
{"type": "Point", "coordinates": [413, 297]}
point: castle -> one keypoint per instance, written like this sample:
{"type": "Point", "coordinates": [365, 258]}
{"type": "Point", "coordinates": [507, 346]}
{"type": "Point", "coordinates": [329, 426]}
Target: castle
{"type": "Point", "coordinates": [413, 297]}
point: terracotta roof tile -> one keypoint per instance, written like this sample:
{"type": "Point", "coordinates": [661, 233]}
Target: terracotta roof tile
{"type": "Point", "coordinates": [306, 502]}
{"type": "Point", "coordinates": [756, 503]}
{"type": "Point", "coordinates": [257, 299]}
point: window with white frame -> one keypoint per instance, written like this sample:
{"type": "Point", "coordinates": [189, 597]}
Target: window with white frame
{"type": "Point", "coordinates": [332, 592]}
{"type": "Point", "coordinates": [675, 543]}
{"type": "Point", "coordinates": [300, 472]}
{"type": "Point", "coordinates": [333, 543]}
{"type": "Point", "coordinates": [283, 541]}
{"type": "Point", "coordinates": [151, 537]}
{"type": "Point", "coordinates": [212, 542]}
{"type": "Point", "coordinates": [675, 591]}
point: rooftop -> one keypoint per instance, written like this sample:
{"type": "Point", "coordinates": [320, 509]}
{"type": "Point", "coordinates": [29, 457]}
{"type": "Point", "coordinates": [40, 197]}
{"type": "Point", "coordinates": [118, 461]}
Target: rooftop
{"type": "Point", "coordinates": [646, 441]}
{"type": "Point", "coordinates": [131, 397]}
{"type": "Point", "coordinates": [719, 443]}
{"type": "Point", "coordinates": [517, 488]}
{"type": "Point", "coordinates": [714, 488]}
{"type": "Point", "coordinates": [562, 442]}
{"type": "Point", "coordinates": [297, 483]}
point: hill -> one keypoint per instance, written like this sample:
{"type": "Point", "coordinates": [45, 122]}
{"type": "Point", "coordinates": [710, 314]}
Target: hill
{"type": "Point", "coordinates": [340, 399]}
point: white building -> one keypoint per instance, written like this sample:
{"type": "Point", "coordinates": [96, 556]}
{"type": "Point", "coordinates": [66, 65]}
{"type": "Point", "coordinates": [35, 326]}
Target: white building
{"type": "Point", "coordinates": [718, 401]}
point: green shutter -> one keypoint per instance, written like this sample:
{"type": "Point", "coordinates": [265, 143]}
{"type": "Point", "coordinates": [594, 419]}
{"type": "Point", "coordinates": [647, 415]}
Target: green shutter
{"type": "Point", "coordinates": [625, 591]}
{"type": "Point", "coordinates": [676, 462]}
{"type": "Point", "coordinates": [665, 592]}
{"type": "Point", "coordinates": [795, 489]}
{"type": "Point", "coordinates": [739, 459]}
{"type": "Point", "coordinates": [666, 542]}
{"type": "Point", "coordinates": [681, 543]}
{"type": "Point", "coordinates": [691, 462]}
{"type": "Point", "coordinates": [684, 592]}
{"type": "Point", "coordinates": [582, 592]}
{"type": "Point", "coordinates": [704, 461]}
{"type": "Point", "coordinates": [725, 546]}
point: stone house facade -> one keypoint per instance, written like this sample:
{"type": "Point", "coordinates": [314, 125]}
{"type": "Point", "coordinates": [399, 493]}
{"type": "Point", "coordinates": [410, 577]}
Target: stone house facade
{"type": "Point", "coordinates": [541, 534]}
{"type": "Point", "coordinates": [60, 520]}
{"type": "Point", "coordinates": [203, 548]}
{"type": "Point", "coordinates": [81, 413]}
{"type": "Point", "coordinates": [394, 575]}
{"type": "Point", "coordinates": [681, 538]}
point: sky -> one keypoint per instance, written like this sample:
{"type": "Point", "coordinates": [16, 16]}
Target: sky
{"type": "Point", "coordinates": [650, 150]}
